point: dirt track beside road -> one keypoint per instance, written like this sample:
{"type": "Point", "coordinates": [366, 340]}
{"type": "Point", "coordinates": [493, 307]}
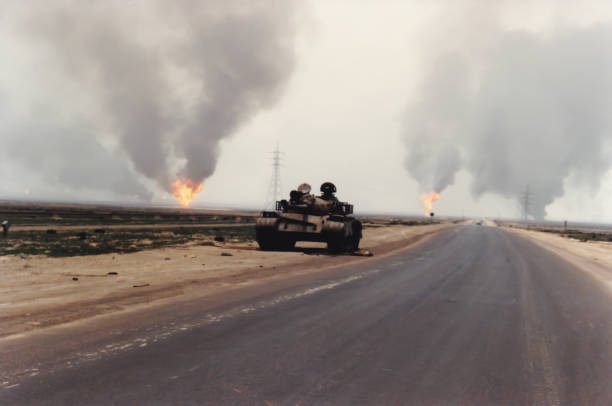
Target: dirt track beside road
{"type": "Point", "coordinates": [39, 291]}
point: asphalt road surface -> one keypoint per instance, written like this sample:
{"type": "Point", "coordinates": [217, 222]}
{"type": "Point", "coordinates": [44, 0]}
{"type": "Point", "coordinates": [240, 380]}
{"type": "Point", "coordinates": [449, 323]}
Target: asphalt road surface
{"type": "Point", "coordinates": [474, 316]}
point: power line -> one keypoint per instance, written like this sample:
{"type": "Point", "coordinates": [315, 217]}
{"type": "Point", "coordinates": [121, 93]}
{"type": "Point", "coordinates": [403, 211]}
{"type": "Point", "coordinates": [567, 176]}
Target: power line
{"type": "Point", "coordinates": [275, 187]}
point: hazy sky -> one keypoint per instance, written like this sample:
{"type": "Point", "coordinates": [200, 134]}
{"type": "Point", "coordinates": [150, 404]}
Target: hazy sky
{"type": "Point", "coordinates": [387, 99]}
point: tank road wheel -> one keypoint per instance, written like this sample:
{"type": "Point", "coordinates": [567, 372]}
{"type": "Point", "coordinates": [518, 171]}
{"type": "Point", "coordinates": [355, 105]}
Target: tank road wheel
{"type": "Point", "coordinates": [355, 244]}
{"type": "Point", "coordinates": [266, 239]}
{"type": "Point", "coordinates": [270, 240]}
{"type": "Point", "coordinates": [285, 244]}
{"type": "Point", "coordinates": [335, 245]}
{"type": "Point", "coordinates": [340, 242]}
{"type": "Point", "coordinates": [348, 241]}
{"type": "Point", "coordinates": [356, 225]}
{"type": "Point", "coordinates": [351, 244]}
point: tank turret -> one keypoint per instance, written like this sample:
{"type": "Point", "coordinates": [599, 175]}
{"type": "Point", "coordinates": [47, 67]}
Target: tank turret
{"type": "Point", "coordinates": [305, 217]}
{"type": "Point", "coordinates": [301, 201]}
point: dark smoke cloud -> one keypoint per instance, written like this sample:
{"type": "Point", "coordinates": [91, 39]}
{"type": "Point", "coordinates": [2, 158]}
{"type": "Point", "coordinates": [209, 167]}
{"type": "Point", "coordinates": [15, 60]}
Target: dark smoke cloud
{"type": "Point", "coordinates": [534, 110]}
{"type": "Point", "coordinates": [166, 80]}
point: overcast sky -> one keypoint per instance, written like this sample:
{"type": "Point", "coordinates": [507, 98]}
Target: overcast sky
{"type": "Point", "coordinates": [387, 99]}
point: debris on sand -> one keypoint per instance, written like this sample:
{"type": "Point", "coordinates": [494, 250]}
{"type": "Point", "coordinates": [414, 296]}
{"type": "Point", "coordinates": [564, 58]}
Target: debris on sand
{"type": "Point", "coordinates": [363, 253]}
{"type": "Point", "coordinates": [5, 227]}
{"type": "Point", "coordinates": [142, 285]}
{"type": "Point", "coordinates": [113, 273]}
{"type": "Point", "coordinates": [226, 254]}
{"type": "Point", "coordinates": [88, 275]}
{"type": "Point", "coordinates": [167, 259]}
{"type": "Point", "coordinates": [74, 278]}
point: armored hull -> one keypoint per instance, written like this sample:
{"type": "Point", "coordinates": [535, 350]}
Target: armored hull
{"type": "Point", "coordinates": [308, 219]}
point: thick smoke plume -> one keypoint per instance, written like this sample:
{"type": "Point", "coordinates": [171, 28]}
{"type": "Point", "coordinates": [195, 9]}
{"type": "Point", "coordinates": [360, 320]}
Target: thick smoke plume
{"type": "Point", "coordinates": [162, 82]}
{"type": "Point", "coordinates": [532, 110]}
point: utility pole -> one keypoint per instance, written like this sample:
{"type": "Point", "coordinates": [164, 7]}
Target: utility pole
{"type": "Point", "coordinates": [526, 201]}
{"type": "Point", "coordinates": [274, 188]}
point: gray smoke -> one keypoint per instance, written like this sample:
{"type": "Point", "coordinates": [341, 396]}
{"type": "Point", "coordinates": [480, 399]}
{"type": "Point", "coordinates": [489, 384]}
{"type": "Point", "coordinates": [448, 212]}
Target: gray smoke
{"type": "Point", "coordinates": [534, 110]}
{"type": "Point", "coordinates": [243, 61]}
{"type": "Point", "coordinates": [165, 81]}
{"type": "Point", "coordinates": [433, 154]}
{"type": "Point", "coordinates": [82, 164]}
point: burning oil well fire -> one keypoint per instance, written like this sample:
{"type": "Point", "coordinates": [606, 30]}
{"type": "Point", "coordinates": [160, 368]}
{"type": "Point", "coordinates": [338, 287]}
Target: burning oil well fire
{"type": "Point", "coordinates": [185, 191]}
{"type": "Point", "coordinates": [428, 200]}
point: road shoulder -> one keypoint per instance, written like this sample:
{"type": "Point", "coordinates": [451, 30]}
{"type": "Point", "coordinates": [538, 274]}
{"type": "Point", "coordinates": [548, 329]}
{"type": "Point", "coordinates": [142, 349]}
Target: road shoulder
{"type": "Point", "coordinates": [594, 258]}
{"type": "Point", "coordinates": [39, 292]}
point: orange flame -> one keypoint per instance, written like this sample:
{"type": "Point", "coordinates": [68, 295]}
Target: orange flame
{"type": "Point", "coordinates": [428, 200]}
{"type": "Point", "coordinates": [185, 191]}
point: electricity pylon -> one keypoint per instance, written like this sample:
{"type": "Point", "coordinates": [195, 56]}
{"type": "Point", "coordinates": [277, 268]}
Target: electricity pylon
{"type": "Point", "coordinates": [526, 201]}
{"type": "Point", "coordinates": [274, 189]}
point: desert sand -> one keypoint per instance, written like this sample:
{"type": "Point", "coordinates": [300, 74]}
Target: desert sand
{"type": "Point", "coordinates": [40, 291]}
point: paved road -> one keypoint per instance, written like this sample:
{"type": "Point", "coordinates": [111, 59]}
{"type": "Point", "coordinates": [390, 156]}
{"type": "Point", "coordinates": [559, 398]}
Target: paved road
{"type": "Point", "coordinates": [474, 316]}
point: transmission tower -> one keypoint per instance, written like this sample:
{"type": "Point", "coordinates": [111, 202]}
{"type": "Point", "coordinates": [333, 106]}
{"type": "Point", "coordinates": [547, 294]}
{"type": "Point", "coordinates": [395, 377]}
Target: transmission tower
{"type": "Point", "coordinates": [526, 201]}
{"type": "Point", "coordinates": [275, 186]}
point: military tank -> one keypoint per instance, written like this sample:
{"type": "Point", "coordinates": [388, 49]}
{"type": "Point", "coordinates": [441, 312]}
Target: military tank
{"type": "Point", "coordinates": [305, 217]}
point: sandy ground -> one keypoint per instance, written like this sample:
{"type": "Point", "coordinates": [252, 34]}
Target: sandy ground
{"type": "Point", "coordinates": [38, 291]}
{"type": "Point", "coordinates": [594, 257]}
{"type": "Point", "coordinates": [125, 226]}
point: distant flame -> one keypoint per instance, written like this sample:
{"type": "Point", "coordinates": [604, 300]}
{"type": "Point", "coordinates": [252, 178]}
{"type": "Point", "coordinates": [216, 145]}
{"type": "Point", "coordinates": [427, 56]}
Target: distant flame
{"type": "Point", "coordinates": [428, 200]}
{"type": "Point", "coordinates": [185, 191]}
